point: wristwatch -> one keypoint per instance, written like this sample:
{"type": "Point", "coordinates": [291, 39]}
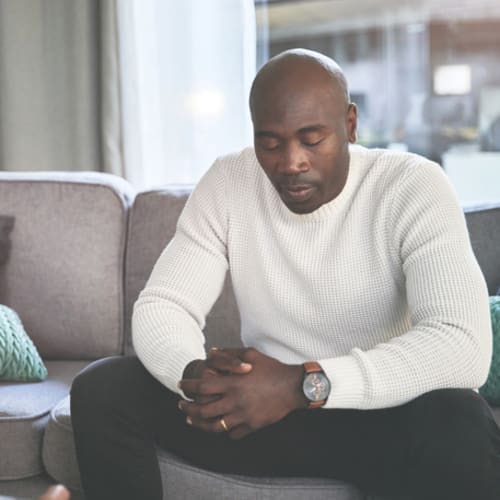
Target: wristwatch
{"type": "Point", "coordinates": [316, 385]}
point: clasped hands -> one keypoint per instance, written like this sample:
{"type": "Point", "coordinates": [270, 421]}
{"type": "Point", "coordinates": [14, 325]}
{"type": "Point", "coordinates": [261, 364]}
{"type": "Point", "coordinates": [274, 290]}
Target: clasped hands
{"type": "Point", "coordinates": [244, 387]}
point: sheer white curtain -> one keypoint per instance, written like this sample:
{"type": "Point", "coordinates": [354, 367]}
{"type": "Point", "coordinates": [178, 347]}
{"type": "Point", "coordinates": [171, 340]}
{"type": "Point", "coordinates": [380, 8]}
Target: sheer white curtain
{"type": "Point", "coordinates": [186, 70]}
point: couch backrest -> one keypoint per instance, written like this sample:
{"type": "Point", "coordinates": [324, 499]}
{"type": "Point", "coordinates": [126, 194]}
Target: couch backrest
{"type": "Point", "coordinates": [152, 224]}
{"type": "Point", "coordinates": [484, 230]}
{"type": "Point", "coordinates": [65, 272]}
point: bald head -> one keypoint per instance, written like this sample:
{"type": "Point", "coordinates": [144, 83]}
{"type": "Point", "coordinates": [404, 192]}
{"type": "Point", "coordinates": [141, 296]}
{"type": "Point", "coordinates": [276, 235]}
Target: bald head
{"type": "Point", "coordinates": [303, 123]}
{"type": "Point", "coordinates": [300, 69]}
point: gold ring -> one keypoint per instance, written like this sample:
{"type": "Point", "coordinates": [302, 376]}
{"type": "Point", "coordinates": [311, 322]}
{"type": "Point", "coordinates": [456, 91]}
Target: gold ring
{"type": "Point", "coordinates": [224, 425]}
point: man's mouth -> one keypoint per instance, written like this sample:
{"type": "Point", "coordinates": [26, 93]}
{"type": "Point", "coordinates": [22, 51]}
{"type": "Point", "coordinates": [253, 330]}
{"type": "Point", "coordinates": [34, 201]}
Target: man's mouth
{"type": "Point", "coordinates": [296, 193]}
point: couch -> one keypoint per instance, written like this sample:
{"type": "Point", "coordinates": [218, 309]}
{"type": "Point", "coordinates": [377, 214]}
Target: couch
{"type": "Point", "coordinates": [82, 247]}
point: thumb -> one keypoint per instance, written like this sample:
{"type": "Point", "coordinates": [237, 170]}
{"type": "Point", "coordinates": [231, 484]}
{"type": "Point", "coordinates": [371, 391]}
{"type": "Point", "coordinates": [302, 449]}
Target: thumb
{"type": "Point", "coordinates": [228, 360]}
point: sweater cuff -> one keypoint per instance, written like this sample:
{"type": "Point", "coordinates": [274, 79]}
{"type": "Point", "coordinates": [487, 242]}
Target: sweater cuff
{"type": "Point", "coordinates": [177, 362]}
{"type": "Point", "coordinates": [346, 383]}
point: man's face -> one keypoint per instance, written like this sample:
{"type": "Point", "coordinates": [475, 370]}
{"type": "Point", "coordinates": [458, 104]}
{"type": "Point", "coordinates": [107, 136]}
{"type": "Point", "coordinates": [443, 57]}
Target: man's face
{"type": "Point", "coordinates": [301, 137]}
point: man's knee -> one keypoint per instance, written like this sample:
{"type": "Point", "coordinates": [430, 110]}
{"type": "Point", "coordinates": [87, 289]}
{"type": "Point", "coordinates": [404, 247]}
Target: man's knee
{"type": "Point", "coordinates": [456, 414]}
{"type": "Point", "coordinates": [454, 440]}
{"type": "Point", "coordinates": [101, 381]}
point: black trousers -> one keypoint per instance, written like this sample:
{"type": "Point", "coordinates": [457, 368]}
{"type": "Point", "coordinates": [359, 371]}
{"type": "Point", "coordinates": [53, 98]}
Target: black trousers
{"type": "Point", "coordinates": [442, 445]}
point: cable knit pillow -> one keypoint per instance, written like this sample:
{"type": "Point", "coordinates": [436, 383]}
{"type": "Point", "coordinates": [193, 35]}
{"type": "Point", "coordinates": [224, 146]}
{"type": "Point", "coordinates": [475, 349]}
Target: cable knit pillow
{"type": "Point", "coordinates": [491, 389]}
{"type": "Point", "coordinates": [6, 225]}
{"type": "Point", "coordinates": [19, 359]}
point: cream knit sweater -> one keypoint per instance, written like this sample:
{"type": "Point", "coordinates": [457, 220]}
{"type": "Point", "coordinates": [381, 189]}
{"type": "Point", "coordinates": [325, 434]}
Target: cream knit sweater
{"type": "Point", "coordinates": [379, 285]}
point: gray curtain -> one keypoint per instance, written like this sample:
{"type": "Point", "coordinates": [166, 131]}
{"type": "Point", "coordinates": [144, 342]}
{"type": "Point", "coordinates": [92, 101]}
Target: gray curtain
{"type": "Point", "coordinates": [59, 86]}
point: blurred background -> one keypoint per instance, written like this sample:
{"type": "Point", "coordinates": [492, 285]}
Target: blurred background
{"type": "Point", "coordinates": [154, 90]}
{"type": "Point", "coordinates": [424, 74]}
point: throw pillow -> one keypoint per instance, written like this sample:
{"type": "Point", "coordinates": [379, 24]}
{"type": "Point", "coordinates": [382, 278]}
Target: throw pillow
{"type": "Point", "coordinates": [6, 225]}
{"type": "Point", "coordinates": [491, 389]}
{"type": "Point", "coordinates": [19, 359]}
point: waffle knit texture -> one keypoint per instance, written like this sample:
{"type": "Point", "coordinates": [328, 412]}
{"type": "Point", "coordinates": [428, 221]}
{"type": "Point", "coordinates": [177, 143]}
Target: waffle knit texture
{"type": "Point", "coordinates": [19, 359]}
{"type": "Point", "coordinates": [380, 285]}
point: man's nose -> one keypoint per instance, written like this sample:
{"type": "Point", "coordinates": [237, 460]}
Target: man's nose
{"type": "Point", "coordinates": [293, 160]}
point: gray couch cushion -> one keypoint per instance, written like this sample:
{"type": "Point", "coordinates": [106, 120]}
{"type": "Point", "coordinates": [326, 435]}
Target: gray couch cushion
{"type": "Point", "coordinates": [484, 230]}
{"type": "Point", "coordinates": [67, 256]}
{"type": "Point", "coordinates": [152, 224]}
{"type": "Point", "coordinates": [185, 482]}
{"type": "Point", "coordinates": [24, 412]}
{"type": "Point", "coordinates": [6, 225]}
{"type": "Point", "coordinates": [59, 456]}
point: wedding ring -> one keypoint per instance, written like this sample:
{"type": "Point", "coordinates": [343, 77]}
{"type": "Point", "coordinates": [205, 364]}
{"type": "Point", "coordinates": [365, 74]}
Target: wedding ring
{"type": "Point", "coordinates": [224, 425]}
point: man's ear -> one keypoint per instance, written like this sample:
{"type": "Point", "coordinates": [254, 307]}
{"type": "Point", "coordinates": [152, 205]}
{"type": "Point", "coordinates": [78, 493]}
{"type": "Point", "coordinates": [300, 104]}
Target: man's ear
{"type": "Point", "coordinates": [352, 122]}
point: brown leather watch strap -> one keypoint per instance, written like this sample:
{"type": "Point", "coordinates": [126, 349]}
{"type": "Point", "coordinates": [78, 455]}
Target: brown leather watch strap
{"type": "Point", "coordinates": [316, 404]}
{"type": "Point", "coordinates": [312, 367]}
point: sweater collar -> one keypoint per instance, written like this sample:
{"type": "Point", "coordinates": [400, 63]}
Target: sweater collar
{"type": "Point", "coordinates": [327, 209]}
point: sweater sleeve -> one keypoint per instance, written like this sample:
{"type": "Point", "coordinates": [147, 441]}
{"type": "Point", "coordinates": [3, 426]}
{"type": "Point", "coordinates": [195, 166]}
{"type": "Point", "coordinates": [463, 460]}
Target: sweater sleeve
{"type": "Point", "coordinates": [449, 343]}
{"type": "Point", "coordinates": [170, 313]}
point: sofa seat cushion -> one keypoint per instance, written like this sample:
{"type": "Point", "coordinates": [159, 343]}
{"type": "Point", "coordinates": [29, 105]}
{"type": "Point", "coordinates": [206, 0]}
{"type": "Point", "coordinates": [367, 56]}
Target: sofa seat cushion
{"type": "Point", "coordinates": [24, 412]}
{"type": "Point", "coordinates": [183, 481]}
{"type": "Point", "coordinates": [59, 455]}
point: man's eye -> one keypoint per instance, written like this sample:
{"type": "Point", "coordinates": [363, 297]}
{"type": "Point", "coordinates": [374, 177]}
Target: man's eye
{"type": "Point", "coordinates": [269, 144]}
{"type": "Point", "coordinates": [312, 141]}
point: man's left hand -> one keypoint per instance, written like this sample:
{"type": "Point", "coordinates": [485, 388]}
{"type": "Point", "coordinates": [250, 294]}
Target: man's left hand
{"type": "Point", "coordinates": [246, 402]}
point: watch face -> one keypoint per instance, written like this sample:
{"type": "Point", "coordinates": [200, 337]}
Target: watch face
{"type": "Point", "coordinates": [316, 386]}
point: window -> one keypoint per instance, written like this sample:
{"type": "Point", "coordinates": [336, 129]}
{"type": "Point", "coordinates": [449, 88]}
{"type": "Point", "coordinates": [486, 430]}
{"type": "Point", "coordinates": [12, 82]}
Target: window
{"type": "Point", "coordinates": [186, 72]}
{"type": "Point", "coordinates": [425, 75]}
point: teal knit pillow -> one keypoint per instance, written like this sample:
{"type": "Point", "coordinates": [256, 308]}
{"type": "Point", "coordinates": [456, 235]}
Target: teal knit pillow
{"type": "Point", "coordinates": [19, 359]}
{"type": "Point", "coordinates": [491, 389]}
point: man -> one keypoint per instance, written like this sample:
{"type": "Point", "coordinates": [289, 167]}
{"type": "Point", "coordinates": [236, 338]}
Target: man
{"type": "Point", "coordinates": [357, 290]}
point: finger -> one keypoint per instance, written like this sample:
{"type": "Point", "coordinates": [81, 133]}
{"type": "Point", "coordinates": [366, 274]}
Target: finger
{"type": "Point", "coordinates": [205, 425]}
{"type": "Point", "coordinates": [209, 372]}
{"type": "Point", "coordinates": [58, 492]}
{"type": "Point", "coordinates": [209, 386]}
{"type": "Point", "coordinates": [228, 359]}
{"type": "Point", "coordinates": [247, 355]}
{"type": "Point", "coordinates": [209, 410]}
{"type": "Point", "coordinates": [224, 361]}
{"type": "Point", "coordinates": [237, 352]}
{"type": "Point", "coordinates": [251, 355]}
{"type": "Point", "coordinates": [206, 399]}
{"type": "Point", "coordinates": [215, 425]}
{"type": "Point", "coordinates": [239, 431]}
